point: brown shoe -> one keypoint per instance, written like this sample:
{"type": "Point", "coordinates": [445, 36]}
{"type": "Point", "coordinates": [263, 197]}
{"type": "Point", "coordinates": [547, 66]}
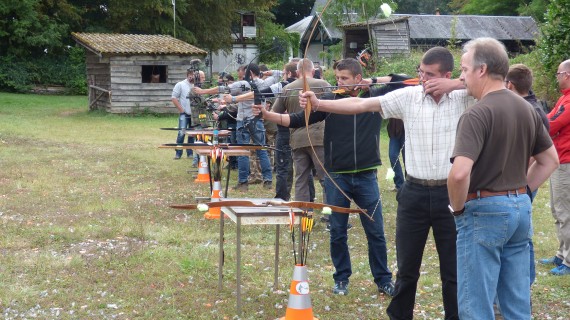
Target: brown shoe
{"type": "Point", "coordinates": [255, 181]}
{"type": "Point", "coordinates": [241, 186]}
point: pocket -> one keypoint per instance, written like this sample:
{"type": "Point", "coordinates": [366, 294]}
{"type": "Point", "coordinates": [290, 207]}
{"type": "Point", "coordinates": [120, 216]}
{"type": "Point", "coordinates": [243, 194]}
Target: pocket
{"type": "Point", "coordinates": [490, 228]}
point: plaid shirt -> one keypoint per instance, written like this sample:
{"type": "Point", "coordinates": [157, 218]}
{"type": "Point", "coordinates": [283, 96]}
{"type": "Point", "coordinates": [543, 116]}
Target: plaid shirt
{"type": "Point", "coordinates": [430, 128]}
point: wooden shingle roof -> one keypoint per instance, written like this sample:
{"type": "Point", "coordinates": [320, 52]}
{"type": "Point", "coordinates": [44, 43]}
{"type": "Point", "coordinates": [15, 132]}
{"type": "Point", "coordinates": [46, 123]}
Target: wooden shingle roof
{"type": "Point", "coordinates": [130, 44]}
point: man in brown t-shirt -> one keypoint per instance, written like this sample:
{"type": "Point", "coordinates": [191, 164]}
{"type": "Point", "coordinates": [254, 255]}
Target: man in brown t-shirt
{"type": "Point", "coordinates": [488, 185]}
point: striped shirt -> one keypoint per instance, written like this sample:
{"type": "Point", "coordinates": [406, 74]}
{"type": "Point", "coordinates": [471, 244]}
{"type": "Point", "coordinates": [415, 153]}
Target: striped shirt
{"type": "Point", "coordinates": [430, 128]}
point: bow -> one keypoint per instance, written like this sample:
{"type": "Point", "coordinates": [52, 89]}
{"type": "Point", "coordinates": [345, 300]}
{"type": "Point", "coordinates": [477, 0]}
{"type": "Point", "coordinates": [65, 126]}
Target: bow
{"type": "Point", "coordinates": [271, 203]}
{"type": "Point", "coordinates": [308, 110]}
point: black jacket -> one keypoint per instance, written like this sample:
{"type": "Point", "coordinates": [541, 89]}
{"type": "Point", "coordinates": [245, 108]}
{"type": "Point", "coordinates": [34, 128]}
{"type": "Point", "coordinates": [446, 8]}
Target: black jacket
{"type": "Point", "coordinates": [351, 142]}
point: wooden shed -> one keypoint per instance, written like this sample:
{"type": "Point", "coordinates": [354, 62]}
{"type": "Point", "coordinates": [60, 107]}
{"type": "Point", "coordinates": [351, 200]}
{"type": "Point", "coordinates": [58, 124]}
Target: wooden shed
{"type": "Point", "coordinates": [392, 36]}
{"type": "Point", "coordinates": [129, 73]}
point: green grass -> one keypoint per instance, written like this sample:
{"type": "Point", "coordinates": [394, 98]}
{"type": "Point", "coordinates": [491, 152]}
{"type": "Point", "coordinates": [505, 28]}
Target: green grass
{"type": "Point", "coordinates": [86, 232]}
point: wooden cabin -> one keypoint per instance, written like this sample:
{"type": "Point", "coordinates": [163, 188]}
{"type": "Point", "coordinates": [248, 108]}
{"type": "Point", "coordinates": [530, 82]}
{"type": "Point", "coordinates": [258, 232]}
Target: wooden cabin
{"type": "Point", "coordinates": [129, 73]}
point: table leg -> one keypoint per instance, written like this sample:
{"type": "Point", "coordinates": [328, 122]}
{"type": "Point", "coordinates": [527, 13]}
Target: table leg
{"type": "Point", "coordinates": [276, 257]}
{"type": "Point", "coordinates": [238, 265]}
{"type": "Point", "coordinates": [221, 250]}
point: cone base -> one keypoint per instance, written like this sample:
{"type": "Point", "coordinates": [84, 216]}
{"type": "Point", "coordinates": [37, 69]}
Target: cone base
{"type": "Point", "coordinates": [202, 178]}
{"type": "Point", "coordinates": [285, 318]}
{"type": "Point", "coordinates": [213, 213]}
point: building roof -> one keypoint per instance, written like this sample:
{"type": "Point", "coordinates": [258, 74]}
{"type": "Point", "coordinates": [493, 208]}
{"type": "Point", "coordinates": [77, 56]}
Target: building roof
{"type": "Point", "coordinates": [305, 26]}
{"type": "Point", "coordinates": [470, 27]}
{"type": "Point", "coordinates": [466, 26]}
{"type": "Point", "coordinates": [134, 44]}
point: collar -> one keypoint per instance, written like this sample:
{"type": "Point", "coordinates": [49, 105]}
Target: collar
{"type": "Point", "coordinates": [565, 92]}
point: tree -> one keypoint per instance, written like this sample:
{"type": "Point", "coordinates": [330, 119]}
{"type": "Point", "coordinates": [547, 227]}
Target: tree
{"type": "Point", "coordinates": [31, 27]}
{"type": "Point", "coordinates": [349, 11]}
{"type": "Point", "coordinates": [419, 6]}
{"type": "Point", "coordinates": [288, 12]}
{"type": "Point", "coordinates": [554, 43]}
{"type": "Point", "coordinates": [534, 8]}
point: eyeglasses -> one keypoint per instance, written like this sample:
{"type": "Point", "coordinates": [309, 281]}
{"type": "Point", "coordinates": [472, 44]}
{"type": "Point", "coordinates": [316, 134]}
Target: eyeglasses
{"type": "Point", "coordinates": [561, 72]}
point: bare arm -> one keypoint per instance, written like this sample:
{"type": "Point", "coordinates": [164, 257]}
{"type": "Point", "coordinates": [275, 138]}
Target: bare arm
{"type": "Point", "coordinates": [545, 163]}
{"type": "Point", "coordinates": [458, 182]}
{"type": "Point", "coordinates": [440, 86]}
{"type": "Point", "coordinates": [343, 106]}
{"type": "Point", "coordinates": [213, 90]}
{"type": "Point", "coordinates": [281, 119]}
{"type": "Point", "coordinates": [241, 98]}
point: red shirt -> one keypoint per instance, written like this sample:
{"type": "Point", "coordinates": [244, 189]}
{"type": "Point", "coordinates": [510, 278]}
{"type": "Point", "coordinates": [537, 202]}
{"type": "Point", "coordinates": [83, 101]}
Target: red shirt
{"type": "Point", "coordinates": [559, 118]}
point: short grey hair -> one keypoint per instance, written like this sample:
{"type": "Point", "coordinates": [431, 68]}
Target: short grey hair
{"type": "Point", "coordinates": [489, 52]}
{"type": "Point", "coordinates": [305, 64]}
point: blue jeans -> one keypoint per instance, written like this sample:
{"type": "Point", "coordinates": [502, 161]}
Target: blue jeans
{"type": "Point", "coordinates": [395, 145]}
{"type": "Point", "coordinates": [493, 257]}
{"type": "Point", "coordinates": [363, 188]}
{"type": "Point", "coordinates": [184, 121]}
{"type": "Point", "coordinates": [258, 138]}
{"type": "Point", "coordinates": [283, 165]}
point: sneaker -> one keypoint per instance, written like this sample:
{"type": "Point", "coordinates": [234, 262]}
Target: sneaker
{"type": "Point", "coordinates": [340, 288]}
{"type": "Point", "coordinates": [177, 157]}
{"type": "Point", "coordinates": [554, 260]}
{"type": "Point", "coordinates": [325, 219]}
{"type": "Point", "coordinates": [387, 289]}
{"type": "Point", "coordinates": [241, 186]}
{"type": "Point", "coordinates": [267, 185]}
{"type": "Point", "coordinates": [561, 270]}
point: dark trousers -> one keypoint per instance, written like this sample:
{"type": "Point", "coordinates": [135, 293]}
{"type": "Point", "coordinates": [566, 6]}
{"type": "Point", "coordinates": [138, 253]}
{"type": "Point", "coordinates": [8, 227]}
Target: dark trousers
{"type": "Point", "coordinates": [283, 165]}
{"type": "Point", "coordinates": [419, 209]}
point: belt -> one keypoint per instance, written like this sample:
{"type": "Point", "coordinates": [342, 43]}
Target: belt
{"type": "Point", "coordinates": [427, 182]}
{"type": "Point", "coordinates": [484, 193]}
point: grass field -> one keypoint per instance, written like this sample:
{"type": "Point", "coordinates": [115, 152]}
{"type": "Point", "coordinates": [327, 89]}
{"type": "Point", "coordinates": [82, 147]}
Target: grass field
{"type": "Point", "coordinates": [87, 232]}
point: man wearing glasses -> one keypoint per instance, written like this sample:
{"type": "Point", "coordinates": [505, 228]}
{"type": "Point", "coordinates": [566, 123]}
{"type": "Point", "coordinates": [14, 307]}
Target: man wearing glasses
{"type": "Point", "coordinates": [430, 114]}
{"type": "Point", "coordinates": [560, 180]}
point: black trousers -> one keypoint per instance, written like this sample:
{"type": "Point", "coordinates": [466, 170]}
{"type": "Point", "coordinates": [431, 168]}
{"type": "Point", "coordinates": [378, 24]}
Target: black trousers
{"type": "Point", "coordinates": [419, 209]}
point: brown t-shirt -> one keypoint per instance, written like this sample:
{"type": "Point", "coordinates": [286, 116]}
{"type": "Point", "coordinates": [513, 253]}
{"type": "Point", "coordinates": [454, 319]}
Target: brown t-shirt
{"type": "Point", "coordinates": [500, 133]}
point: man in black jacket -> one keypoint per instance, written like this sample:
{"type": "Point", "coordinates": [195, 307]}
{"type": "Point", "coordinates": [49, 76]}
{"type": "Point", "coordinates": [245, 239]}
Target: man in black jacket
{"type": "Point", "coordinates": [352, 156]}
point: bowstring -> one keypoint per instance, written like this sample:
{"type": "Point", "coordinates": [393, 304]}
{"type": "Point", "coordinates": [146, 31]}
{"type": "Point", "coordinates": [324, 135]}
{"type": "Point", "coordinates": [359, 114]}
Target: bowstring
{"type": "Point", "coordinates": [308, 112]}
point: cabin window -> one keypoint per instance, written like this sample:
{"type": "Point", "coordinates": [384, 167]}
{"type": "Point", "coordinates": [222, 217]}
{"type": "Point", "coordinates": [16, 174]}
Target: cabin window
{"type": "Point", "coordinates": [153, 74]}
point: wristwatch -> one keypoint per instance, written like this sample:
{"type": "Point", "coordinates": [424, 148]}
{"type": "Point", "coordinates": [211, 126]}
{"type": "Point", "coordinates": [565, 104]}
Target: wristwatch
{"type": "Point", "coordinates": [374, 80]}
{"type": "Point", "coordinates": [233, 99]}
{"type": "Point", "coordinates": [455, 213]}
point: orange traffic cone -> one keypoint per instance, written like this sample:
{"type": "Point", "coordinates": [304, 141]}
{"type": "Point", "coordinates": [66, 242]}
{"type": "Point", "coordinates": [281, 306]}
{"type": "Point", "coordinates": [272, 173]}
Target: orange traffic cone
{"type": "Point", "coordinates": [299, 305]}
{"type": "Point", "coordinates": [214, 213]}
{"type": "Point", "coordinates": [203, 173]}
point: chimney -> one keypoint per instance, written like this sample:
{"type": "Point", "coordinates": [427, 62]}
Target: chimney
{"type": "Point", "coordinates": [437, 11]}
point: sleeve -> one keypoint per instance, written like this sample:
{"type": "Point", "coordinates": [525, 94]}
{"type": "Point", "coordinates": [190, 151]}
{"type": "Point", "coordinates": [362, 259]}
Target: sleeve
{"type": "Point", "coordinates": [279, 105]}
{"type": "Point", "coordinates": [236, 87]}
{"type": "Point", "coordinates": [393, 103]}
{"type": "Point", "coordinates": [543, 140]}
{"type": "Point", "coordinates": [559, 117]}
{"type": "Point", "coordinates": [470, 137]}
{"type": "Point", "coordinates": [176, 91]}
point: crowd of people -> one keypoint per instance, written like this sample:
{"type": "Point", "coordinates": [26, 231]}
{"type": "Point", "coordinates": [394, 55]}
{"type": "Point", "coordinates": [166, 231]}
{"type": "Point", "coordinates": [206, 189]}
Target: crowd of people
{"type": "Point", "coordinates": [476, 151]}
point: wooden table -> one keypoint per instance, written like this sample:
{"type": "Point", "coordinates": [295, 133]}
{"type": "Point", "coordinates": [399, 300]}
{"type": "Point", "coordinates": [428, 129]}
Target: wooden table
{"type": "Point", "coordinates": [252, 216]}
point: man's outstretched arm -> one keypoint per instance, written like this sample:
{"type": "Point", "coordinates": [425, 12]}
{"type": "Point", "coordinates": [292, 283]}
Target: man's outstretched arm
{"type": "Point", "coordinates": [343, 106]}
